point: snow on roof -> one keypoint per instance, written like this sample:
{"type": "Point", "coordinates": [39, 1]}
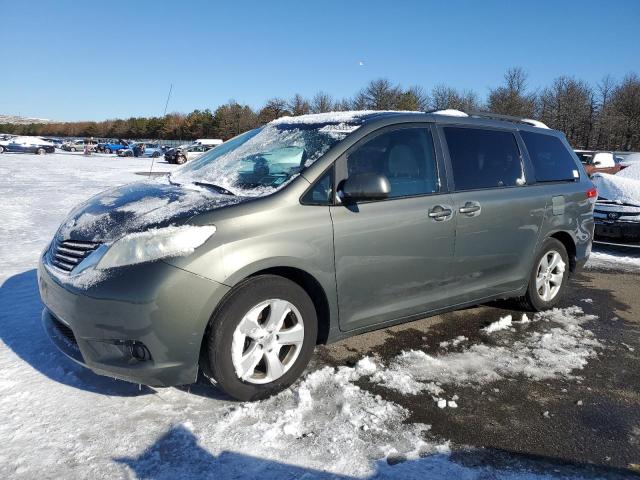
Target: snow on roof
{"type": "Point", "coordinates": [535, 123]}
{"type": "Point", "coordinates": [451, 112]}
{"type": "Point", "coordinates": [624, 187]}
{"type": "Point", "coordinates": [353, 116]}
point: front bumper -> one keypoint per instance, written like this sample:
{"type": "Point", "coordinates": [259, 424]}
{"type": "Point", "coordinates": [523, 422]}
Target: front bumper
{"type": "Point", "coordinates": [617, 232]}
{"type": "Point", "coordinates": [156, 306]}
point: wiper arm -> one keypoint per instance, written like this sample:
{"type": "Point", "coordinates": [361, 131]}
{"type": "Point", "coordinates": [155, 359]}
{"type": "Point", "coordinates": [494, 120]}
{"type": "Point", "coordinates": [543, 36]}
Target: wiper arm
{"type": "Point", "coordinates": [217, 188]}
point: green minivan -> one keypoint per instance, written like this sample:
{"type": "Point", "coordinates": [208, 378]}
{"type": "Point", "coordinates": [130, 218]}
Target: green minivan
{"type": "Point", "coordinates": [308, 230]}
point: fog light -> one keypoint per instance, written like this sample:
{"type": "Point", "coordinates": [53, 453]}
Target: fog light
{"type": "Point", "coordinates": [139, 352]}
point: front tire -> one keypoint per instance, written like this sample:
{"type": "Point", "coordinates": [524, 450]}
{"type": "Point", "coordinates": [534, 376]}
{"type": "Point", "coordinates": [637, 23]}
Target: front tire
{"type": "Point", "coordinates": [1, 149]}
{"type": "Point", "coordinates": [73, 149]}
{"type": "Point", "coordinates": [548, 278]}
{"type": "Point", "coordinates": [40, 151]}
{"type": "Point", "coordinates": [180, 159]}
{"type": "Point", "coordinates": [261, 337]}
{"type": "Point", "coordinates": [107, 151]}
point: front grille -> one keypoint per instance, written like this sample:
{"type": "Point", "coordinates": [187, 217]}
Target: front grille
{"type": "Point", "coordinates": [66, 254]}
{"type": "Point", "coordinates": [65, 331]}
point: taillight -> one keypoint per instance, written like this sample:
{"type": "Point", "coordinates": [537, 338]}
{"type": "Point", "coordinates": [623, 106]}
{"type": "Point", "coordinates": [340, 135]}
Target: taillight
{"type": "Point", "coordinates": [592, 193]}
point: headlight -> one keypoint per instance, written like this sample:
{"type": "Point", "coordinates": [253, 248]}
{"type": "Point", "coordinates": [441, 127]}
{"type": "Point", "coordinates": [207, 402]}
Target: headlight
{"type": "Point", "coordinates": [154, 244]}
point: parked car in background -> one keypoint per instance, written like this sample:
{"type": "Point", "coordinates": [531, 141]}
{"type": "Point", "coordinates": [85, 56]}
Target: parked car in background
{"type": "Point", "coordinates": [213, 142]}
{"type": "Point", "coordinates": [308, 230]}
{"type": "Point", "coordinates": [596, 161]}
{"type": "Point", "coordinates": [112, 146]}
{"type": "Point", "coordinates": [617, 211]}
{"type": "Point", "coordinates": [153, 150]}
{"type": "Point", "coordinates": [183, 154]}
{"type": "Point", "coordinates": [27, 145]}
{"type": "Point", "coordinates": [78, 145]}
{"type": "Point", "coordinates": [55, 141]}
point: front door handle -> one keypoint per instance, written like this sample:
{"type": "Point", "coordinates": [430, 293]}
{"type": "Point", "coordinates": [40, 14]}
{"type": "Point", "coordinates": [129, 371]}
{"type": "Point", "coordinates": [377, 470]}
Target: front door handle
{"type": "Point", "coordinates": [440, 213]}
{"type": "Point", "coordinates": [470, 209]}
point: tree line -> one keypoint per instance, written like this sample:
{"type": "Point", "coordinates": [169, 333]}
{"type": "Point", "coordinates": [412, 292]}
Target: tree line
{"type": "Point", "coordinates": [603, 116]}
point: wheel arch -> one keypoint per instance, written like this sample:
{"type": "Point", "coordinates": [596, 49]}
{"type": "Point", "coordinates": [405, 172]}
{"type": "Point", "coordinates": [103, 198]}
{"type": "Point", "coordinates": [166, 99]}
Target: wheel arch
{"type": "Point", "coordinates": [569, 244]}
{"type": "Point", "coordinates": [298, 276]}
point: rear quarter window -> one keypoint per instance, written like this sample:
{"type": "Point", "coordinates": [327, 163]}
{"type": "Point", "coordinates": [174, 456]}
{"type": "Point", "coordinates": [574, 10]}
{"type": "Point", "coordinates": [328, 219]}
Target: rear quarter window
{"type": "Point", "coordinates": [552, 161]}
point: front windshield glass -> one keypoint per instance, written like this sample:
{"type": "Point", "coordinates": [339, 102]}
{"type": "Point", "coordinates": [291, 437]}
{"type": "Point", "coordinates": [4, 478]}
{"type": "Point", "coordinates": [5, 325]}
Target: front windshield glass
{"type": "Point", "coordinates": [264, 160]}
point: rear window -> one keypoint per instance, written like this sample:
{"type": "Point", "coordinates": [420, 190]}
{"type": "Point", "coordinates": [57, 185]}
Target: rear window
{"type": "Point", "coordinates": [483, 158]}
{"type": "Point", "coordinates": [552, 161]}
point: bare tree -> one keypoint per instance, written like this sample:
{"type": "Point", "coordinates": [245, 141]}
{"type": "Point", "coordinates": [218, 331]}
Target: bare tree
{"type": "Point", "coordinates": [321, 103]}
{"type": "Point", "coordinates": [299, 105]}
{"type": "Point", "coordinates": [380, 94]}
{"type": "Point", "coordinates": [625, 100]}
{"type": "Point", "coordinates": [443, 97]}
{"type": "Point", "coordinates": [414, 98]}
{"type": "Point", "coordinates": [512, 97]}
{"type": "Point", "coordinates": [274, 108]}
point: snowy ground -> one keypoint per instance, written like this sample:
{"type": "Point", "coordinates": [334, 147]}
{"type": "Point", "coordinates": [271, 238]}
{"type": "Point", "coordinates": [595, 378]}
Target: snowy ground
{"type": "Point", "coordinates": [59, 420]}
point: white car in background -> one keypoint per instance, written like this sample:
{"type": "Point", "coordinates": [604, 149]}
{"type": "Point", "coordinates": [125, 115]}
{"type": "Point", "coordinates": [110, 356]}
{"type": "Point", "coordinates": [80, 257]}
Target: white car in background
{"type": "Point", "coordinates": [211, 142]}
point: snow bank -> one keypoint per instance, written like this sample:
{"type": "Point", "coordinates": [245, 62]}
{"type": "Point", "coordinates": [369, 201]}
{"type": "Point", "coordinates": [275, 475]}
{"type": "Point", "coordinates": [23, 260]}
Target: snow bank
{"type": "Point", "coordinates": [613, 260]}
{"type": "Point", "coordinates": [562, 347]}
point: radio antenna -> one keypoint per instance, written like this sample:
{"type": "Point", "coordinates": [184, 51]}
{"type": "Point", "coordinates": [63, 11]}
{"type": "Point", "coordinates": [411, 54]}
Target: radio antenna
{"type": "Point", "coordinates": [164, 114]}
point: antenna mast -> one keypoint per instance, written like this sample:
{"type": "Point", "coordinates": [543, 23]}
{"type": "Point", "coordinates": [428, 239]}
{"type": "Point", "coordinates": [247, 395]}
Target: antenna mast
{"type": "Point", "coordinates": [164, 114]}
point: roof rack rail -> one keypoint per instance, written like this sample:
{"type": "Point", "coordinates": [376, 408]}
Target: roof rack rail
{"type": "Point", "coordinates": [508, 118]}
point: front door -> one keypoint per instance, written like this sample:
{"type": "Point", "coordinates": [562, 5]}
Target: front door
{"type": "Point", "coordinates": [393, 256]}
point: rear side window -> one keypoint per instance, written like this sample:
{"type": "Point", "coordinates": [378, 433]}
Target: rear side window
{"type": "Point", "coordinates": [551, 160]}
{"type": "Point", "coordinates": [483, 158]}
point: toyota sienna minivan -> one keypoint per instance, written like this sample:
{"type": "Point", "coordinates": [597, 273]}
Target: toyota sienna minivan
{"type": "Point", "coordinates": [308, 230]}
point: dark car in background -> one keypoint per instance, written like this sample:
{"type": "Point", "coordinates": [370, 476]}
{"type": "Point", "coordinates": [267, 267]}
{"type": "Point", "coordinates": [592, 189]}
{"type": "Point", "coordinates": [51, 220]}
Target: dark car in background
{"type": "Point", "coordinates": [27, 145]}
{"type": "Point", "coordinates": [183, 153]}
{"type": "Point", "coordinates": [617, 211]}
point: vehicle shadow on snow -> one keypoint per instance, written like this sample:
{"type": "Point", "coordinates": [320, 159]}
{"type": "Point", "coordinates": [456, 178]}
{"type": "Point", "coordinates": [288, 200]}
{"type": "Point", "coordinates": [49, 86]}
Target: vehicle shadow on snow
{"type": "Point", "coordinates": [21, 330]}
{"type": "Point", "coordinates": [177, 454]}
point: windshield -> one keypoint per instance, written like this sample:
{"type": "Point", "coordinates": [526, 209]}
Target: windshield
{"type": "Point", "coordinates": [264, 160]}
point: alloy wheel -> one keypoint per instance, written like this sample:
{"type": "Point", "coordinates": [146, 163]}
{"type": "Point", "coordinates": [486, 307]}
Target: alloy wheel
{"type": "Point", "coordinates": [550, 275]}
{"type": "Point", "coordinates": [267, 341]}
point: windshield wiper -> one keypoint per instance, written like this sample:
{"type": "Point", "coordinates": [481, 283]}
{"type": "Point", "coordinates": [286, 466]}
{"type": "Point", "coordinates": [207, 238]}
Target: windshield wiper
{"type": "Point", "coordinates": [217, 188]}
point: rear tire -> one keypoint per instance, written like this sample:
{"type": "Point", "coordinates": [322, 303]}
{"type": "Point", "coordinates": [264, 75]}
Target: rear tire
{"type": "Point", "coordinates": [1, 149]}
{"type": "Point", "coordinates": [107, 151]}
{"type": "Point", "coordinates": [73, 149]}
{"type": "Point", "coordinates": [261, 337]}
{"type": "Point", "coordinates": [40, 151]}
{"type": "Point", "coordinates": [548, 279]}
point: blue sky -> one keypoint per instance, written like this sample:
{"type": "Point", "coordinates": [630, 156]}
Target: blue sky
{"type": "Point", "coordinates": [91, 60]}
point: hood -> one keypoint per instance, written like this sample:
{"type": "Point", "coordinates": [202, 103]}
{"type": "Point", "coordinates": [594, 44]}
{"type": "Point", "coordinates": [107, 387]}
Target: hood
{"type": "Point", "coordinates": [618, 188]}
{"type": "Point", "coordinates": [138, 207]}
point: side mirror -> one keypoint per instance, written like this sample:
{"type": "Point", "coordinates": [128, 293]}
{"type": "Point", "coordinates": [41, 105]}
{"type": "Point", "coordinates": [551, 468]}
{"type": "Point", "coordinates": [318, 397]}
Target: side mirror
{"type": "Point", "coordinates": [597, 163]}
{"type": "Point", "coordinates": [365, 186]}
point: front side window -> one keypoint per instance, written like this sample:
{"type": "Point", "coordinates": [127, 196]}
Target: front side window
{"type": "Point", "coordinates": [322, 191]}
{"type": "Point", "coordinates": [483, 158]}
{"type": "Point", "coordinates": [264, 160]}
{"type": "Point", "coordinates": [405, 156]}
{"type": "Point", "coordinates": [552, 161]}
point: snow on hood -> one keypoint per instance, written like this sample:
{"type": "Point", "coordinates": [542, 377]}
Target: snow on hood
{"type": "Point", "coordinates": [138, 207]}
{"type": "Point", "coordinates": [624, 187]}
